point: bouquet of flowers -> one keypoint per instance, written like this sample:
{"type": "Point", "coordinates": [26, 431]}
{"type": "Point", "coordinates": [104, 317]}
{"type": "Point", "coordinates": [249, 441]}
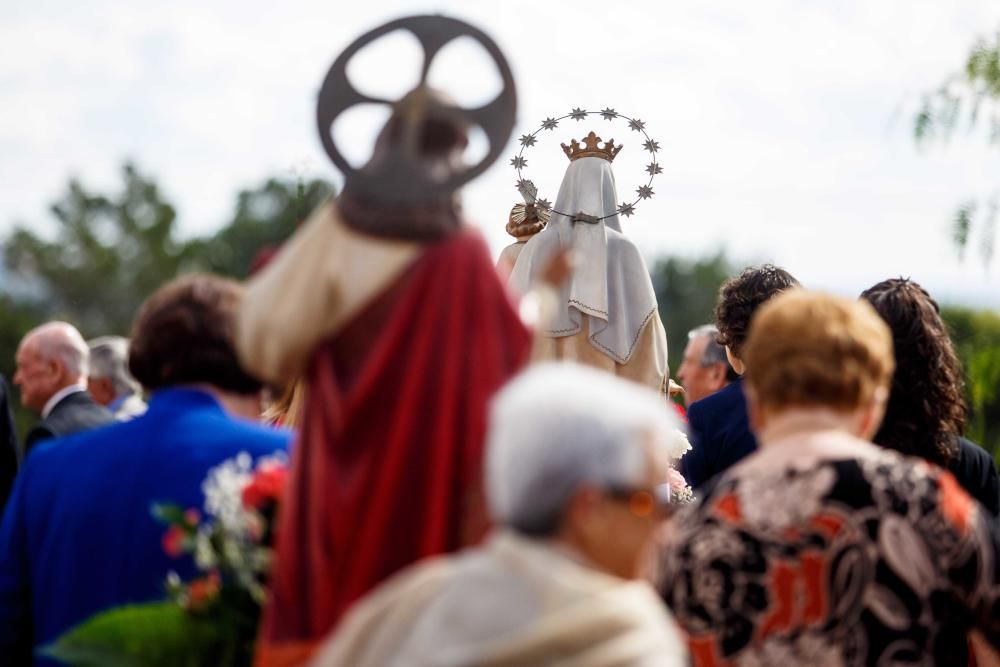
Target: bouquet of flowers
{"type": "Point", "coordinates": [211, 619]}
{"type": "Point", "coordinates": [678, 446]}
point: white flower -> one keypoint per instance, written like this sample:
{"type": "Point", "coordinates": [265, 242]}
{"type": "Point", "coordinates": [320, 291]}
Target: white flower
{"type": "Point", "coordinates": [224, 484]}
{"type": "Point", "coordinates": [678, 444]}
{"type": "Point", "coordinates": [204, 554]}
{"type": "Point", "coordinates": [223, 489]}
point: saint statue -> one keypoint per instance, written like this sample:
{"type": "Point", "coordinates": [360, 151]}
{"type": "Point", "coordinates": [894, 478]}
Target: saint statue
{"type": "Point", "coordinates": [605, 315]}
{"type": "Point", "coordinates": [524, 222]}
{"type": "Point", "coordinates": [391, 310]}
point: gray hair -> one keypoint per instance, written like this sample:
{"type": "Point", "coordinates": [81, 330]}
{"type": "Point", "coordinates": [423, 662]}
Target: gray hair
{"type": "Point", "coordinates": [109, 359]}
{"type": "Point", "coordinates": [61, 340]}
{"type": "Point", "coordinates": [560, 426]}
{"type": "Point", "coordinates": [714, 353]}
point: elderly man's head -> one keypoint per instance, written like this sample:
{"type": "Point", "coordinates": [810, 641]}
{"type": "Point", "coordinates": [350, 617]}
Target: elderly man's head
{"type": "Point", "coordinates": [704, 369]}
{"type": "Point", "coordinates": [581, 457]}
{"type": "Point", "coordinates": [50, 358]}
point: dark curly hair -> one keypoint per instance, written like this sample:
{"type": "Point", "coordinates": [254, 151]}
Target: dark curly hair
{"type": "Point", "coordinates": [927, 412]}
{"type": "Point", "coordinates": [741, 296]}
{"type": "Point", "coordinates": [183, 334]}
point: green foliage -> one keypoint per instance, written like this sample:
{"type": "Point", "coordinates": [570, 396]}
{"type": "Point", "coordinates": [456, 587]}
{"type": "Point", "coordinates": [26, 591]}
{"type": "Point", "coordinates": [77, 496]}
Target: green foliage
{"type": "Point", "coordinates": [144, 635]}
{"type": "Point", "coordinates": [963, 220]}
{"type": "Point", "coordinates": [16, 319]}
{"type": "Point", "coordinates": [264, 217]}
{"type": "Point", "coordinates": [972, 97]}
{"type": "Point", "coordinates": [107, 255]}
{"type": "Point", "coordinates": [109, 251]}
{"type": "Point", "coordinates": [977, 339]}
{"type": "Point", "coordinates": [686, 291]}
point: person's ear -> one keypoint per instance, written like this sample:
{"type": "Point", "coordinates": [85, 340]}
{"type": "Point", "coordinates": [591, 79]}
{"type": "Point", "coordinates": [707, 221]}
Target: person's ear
{"type": "Point", "coordinates": [756, 416]}
{"type": "Point", "coordinates": [872, 414]}
{"type": "Point", "coordinates": [578, 518]}
{"type": "Point", "coordinates": [54, 368]}
{"type": "Point", "coordinates": [735, 361]}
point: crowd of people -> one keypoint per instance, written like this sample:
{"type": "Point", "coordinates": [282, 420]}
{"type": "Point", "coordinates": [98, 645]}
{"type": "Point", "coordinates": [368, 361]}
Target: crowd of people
{"type": "Point", "coordinates": [486, 465]}
{"type": "Point", "coordinates": [840, 516]}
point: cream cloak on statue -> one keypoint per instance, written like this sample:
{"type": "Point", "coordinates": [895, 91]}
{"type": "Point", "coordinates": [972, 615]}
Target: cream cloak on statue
{"type": "Point", "coordinates": [513, 601]}
{"type": "Point", "coordinates": [605, 315]}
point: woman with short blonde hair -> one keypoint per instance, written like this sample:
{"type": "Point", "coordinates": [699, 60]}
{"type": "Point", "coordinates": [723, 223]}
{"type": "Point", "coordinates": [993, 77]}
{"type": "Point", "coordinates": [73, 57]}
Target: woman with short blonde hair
{"type": "Point", "coordinates": [816, 351]}
{"type": "Point", "coordinates": [822, 548]}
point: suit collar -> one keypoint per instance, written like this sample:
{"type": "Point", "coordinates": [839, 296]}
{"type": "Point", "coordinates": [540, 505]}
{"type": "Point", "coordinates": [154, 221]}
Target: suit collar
{"type": "Point", "coordinates": [59, 396]}
{"type": "Point", "coordinates": [171, 399]}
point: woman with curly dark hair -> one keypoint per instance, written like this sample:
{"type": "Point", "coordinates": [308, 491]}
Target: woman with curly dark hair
{"type": "Point", "coordinates": [927, 412]}
{"type": "Point", "coordinates": [718, 426]}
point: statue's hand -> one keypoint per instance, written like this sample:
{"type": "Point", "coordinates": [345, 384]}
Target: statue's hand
{"type": "Point", "coordinates": [559, 267]}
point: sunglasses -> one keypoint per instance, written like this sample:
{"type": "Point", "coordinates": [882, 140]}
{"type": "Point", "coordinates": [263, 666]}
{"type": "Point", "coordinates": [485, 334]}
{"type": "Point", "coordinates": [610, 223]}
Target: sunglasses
{"type": "Point", "coordinates": [644, 502]}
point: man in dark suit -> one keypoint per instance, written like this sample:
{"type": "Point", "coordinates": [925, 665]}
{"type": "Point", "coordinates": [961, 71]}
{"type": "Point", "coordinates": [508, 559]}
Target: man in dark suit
{"type": "Point", "coordinates": [718, 424]}
{"type": "Point", "coordinates": [78, 537]}
{"type": "Point", "coordinates": [8, 444]}
{"type": "Point", "coordinates": [52, 375]}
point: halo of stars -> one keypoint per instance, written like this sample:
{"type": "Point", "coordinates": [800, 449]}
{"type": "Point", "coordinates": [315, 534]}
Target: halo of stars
{"type": "Point", "coordinates": [627, 209]}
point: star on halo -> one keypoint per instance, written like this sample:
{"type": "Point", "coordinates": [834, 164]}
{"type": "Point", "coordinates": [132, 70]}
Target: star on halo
{"type": "Point", "coordinates": [518, 162]}
{"type": "Point", "coordinates": [626, 209]}
{"type": "Point", "coordinates": [543, 204]}
{"type": "Point", "coordinates": [653, 168]}
{"type": "Point", "coordinates": [549, 124]}
{"type": "Point", "coordinates": [645, 192]}
{"type": "Point", "coordinates": [527, 140]}
{"type": "Point", "coordinates": [577, 114]}
{"type": "Point", "coordinates": [609, 114]}
{"type": "Point", "coordinates": [523, 183]}
{"type": "Point", "coordinates": [651, 146]}
{"type": "Point", "coordinates": [636, 125]}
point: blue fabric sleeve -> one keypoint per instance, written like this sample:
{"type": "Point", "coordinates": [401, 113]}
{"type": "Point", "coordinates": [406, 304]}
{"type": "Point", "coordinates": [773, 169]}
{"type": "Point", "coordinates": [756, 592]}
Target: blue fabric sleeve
{"type": "Point", "coordinates": [15, 589]}
{"type": "Point", "coordinates": [694, 464]}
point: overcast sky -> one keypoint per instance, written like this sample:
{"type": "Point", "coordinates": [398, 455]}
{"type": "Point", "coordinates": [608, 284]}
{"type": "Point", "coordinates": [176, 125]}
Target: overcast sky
{"type": "Point", "coordinates": [785, 127]}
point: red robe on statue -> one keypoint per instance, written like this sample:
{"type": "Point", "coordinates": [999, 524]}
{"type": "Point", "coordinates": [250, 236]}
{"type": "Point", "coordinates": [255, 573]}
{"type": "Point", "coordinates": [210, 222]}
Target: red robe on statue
{"type": "Point", "coordinates": [388, 468]}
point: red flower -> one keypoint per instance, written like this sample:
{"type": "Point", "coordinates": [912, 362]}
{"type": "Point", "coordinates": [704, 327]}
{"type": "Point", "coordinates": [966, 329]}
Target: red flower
{"type": "Point", "coordinates": [173, 541]}
{"type": "Point", "coordinates": [203, 590]}
{"type": "Point", "coordinates": [267, 484]}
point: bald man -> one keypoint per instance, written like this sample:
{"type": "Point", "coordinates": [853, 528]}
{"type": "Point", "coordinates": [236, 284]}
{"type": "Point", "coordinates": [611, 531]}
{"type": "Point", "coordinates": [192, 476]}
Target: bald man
{"type": "Point", "coordinates": [51, 373]}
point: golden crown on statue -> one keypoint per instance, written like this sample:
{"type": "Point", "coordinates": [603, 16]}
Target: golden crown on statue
{"type": "Point", "coordinates": [589, 148]}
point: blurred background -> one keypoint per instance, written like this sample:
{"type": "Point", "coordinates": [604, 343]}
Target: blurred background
{"type": "Point", "coordinates": [846, 141]}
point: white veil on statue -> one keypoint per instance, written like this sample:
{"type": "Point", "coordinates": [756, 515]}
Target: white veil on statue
{"type": "Point", "coordinates": [611, 285]}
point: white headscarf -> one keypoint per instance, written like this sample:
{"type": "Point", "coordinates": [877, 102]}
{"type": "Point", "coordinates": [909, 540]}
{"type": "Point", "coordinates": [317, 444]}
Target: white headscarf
{"type": "Point", "coordinates": [611, 285]}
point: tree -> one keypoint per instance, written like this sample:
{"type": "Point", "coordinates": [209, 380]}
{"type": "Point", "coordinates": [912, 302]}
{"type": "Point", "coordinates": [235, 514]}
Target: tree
{"type": "Point", "coordinates": [16, 319]}
{"type": "Point", "coordinates": [107, 255]}
{"type": "Point", "coordinates": [264, 218]}
{"type": "Point", "coordinates": [110, 252]}
{"type": "Point", "coordinates": [686, 291]}
{"type": "Point", "coordinates": [976, 335]}
{"type": "Point", "coordinates": [972, 97]}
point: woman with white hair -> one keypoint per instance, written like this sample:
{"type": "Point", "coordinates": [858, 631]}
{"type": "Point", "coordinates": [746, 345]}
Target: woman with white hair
{"type": "Point", "coordinates": [110, 383]}
{"type": "Point", "coordinates": [578, 479]}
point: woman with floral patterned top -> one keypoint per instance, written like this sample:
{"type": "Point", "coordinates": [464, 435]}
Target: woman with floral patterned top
{"type": "Point", "coordinates": [821, 548]}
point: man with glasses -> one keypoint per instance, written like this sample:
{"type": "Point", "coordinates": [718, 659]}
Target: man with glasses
{"type": "Point", "coordinates": [577, 472]}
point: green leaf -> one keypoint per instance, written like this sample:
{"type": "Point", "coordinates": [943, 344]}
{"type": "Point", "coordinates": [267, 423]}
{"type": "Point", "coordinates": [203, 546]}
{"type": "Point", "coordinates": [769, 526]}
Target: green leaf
{"type": "Point", "coordinates": [167, 513]}
{"type": "Point", "coordinates": [144, 635]}
{"type": "Point", "coordinates": [960, 226]}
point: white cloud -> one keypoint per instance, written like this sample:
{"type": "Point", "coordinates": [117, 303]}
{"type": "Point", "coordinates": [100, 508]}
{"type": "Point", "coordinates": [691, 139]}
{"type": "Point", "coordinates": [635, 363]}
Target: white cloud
{"type": "Point", "coordinates": [785, 125]}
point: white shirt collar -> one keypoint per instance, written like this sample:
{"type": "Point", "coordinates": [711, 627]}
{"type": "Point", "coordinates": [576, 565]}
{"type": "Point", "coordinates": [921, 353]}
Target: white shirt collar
{"type": "Point", "coordinates": [60, 395]}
